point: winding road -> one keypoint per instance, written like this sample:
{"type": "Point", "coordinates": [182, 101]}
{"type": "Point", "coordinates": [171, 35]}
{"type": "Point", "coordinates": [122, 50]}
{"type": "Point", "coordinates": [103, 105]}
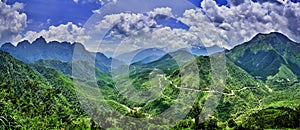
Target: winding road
{"type": "Point", "coordinates": [196, 90]}
{"type": "Point", "coordinates": [209, 91]}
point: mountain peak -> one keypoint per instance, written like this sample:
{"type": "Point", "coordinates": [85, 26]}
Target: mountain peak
{"type": "Point", "coordinates": [23, 44]}
{"type": "Point", "coordinates": [40, 40]}
{"type": "Point", "coordinates": [78, 45]}
{"type": "Point", "coordinates": [270, 36]}
{"type": "Point", "coordinates": [276, 33]}
{"type": "Point", "coordinates": [41, 37]}
{"type": "Point", "coordinates": [271, 33]}
{"type": "Point", "coordinates": [40, 49]}
{"type": "Point", "coordinates": [7, 45]}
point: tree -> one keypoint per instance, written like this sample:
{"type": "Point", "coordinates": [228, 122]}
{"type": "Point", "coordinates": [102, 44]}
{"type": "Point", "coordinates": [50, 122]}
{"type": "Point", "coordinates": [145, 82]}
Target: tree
{"type": "Point", "coordinates": [195, 113]}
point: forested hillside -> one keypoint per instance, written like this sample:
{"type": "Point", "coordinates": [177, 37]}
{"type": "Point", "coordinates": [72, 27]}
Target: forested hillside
{"type": "Point", "coordinates": [262, 90]}
{"type": "Point", "coordinates": [43, 99]}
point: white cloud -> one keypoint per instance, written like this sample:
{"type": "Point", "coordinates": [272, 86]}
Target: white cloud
{"type": "Point", "coordinates": [161, 11]}
{"type": "Point", "coordinates": [209, 25]}
{"type": "Point", "coordinates": [240, 22]}
{"type": "Point", "coordinates": [64, 32]}
{"type": "Point", "coordinates": [76, 1]}
{"type": "Point", "coordinates": [203, 28]}
{"type": "Point", "coordinates": [136, 31]}
{"type": "Point", "coordinates": [12, 21]}
{"type": "Point", "coordinates": [229, 26]}
{"type": "Point", "coordinates": [48, 21]}
{"type": "Point", "coordinates": [127, 24]}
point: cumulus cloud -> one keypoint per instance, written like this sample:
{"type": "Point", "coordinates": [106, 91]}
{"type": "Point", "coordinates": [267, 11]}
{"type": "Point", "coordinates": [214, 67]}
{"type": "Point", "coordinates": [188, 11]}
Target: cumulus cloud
{"type": "Point", "coordinates": [12, 21]}
{"type": "Point", "coordinates": [136, 31]}
{"type": "Point", "coordinates": [129, 24]}
{"type": "Point", "coordinates": [240, 22]}
{"type": "Point", "coordinates": [225, 26]}
{"type": "Point", "coordinates": [126, 24]}
{"type": "Point", "coordinates": [164, 38]}
{"type": "Point", "coordinates": [64, 32]}
{"type": "Point", "coordinates": [203, 28]}
{"type": "Point", "coordinates": [161, 12]}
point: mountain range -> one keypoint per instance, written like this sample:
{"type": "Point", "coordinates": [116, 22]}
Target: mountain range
{"type": "Point", "coordinates": [40, 49]}
{"type": "Point", "coordinates": [262, 85]}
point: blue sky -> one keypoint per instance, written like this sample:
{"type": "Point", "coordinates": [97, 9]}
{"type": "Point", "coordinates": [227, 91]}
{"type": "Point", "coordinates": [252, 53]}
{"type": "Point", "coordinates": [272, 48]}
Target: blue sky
{"type": "Point", "coordinates": [224, 23]}
{"type": "Point", "coordinates": [44, 13]}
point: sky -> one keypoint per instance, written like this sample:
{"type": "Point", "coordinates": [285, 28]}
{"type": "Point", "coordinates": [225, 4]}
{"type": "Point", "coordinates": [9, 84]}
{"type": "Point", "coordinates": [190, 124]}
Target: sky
{"type": "Point", "coordinates": [135, 24]}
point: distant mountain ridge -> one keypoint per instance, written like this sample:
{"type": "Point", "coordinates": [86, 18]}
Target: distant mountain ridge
{"type": "Point", "coordinates": [263, 56]}
{"type": "Point", "coordinates": [62, 51]}
{"type": "Point", "coordinates": [40, 49]}
{"type": "Point", "coordinates": [145, 55]}
{"type": "Point", "coordinates": [205, 51]}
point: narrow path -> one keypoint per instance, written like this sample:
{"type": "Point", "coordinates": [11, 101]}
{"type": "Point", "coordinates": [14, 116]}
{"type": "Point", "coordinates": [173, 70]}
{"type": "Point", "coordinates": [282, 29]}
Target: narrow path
{"type": "Point", "coordinates": [209, 91]}
{"type": "Point", "coordinates": [191, 89]}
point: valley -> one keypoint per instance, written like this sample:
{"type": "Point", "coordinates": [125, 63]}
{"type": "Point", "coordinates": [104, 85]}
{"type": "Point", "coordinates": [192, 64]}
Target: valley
{"type": "Point", "coordinates": [41, 91]}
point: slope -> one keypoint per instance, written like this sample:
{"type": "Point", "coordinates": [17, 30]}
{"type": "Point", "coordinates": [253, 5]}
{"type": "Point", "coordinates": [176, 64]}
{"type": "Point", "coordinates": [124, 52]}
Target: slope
{"type": "Point", "coordinates": [263, 55]}
{"type": "Point", "coordinates": [28, 100]}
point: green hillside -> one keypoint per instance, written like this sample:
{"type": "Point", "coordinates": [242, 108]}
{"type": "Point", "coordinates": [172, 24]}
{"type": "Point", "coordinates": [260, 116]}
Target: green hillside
{"type": "Point", "coordinates": [265, 54]}
{"type": "Point", "coordinates": [262, 90]}
{"type": "Point", "coordinates": [31, 100]}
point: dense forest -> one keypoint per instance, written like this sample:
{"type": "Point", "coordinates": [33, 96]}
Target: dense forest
{"type": "Point", "coordinates": [262, 90]}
